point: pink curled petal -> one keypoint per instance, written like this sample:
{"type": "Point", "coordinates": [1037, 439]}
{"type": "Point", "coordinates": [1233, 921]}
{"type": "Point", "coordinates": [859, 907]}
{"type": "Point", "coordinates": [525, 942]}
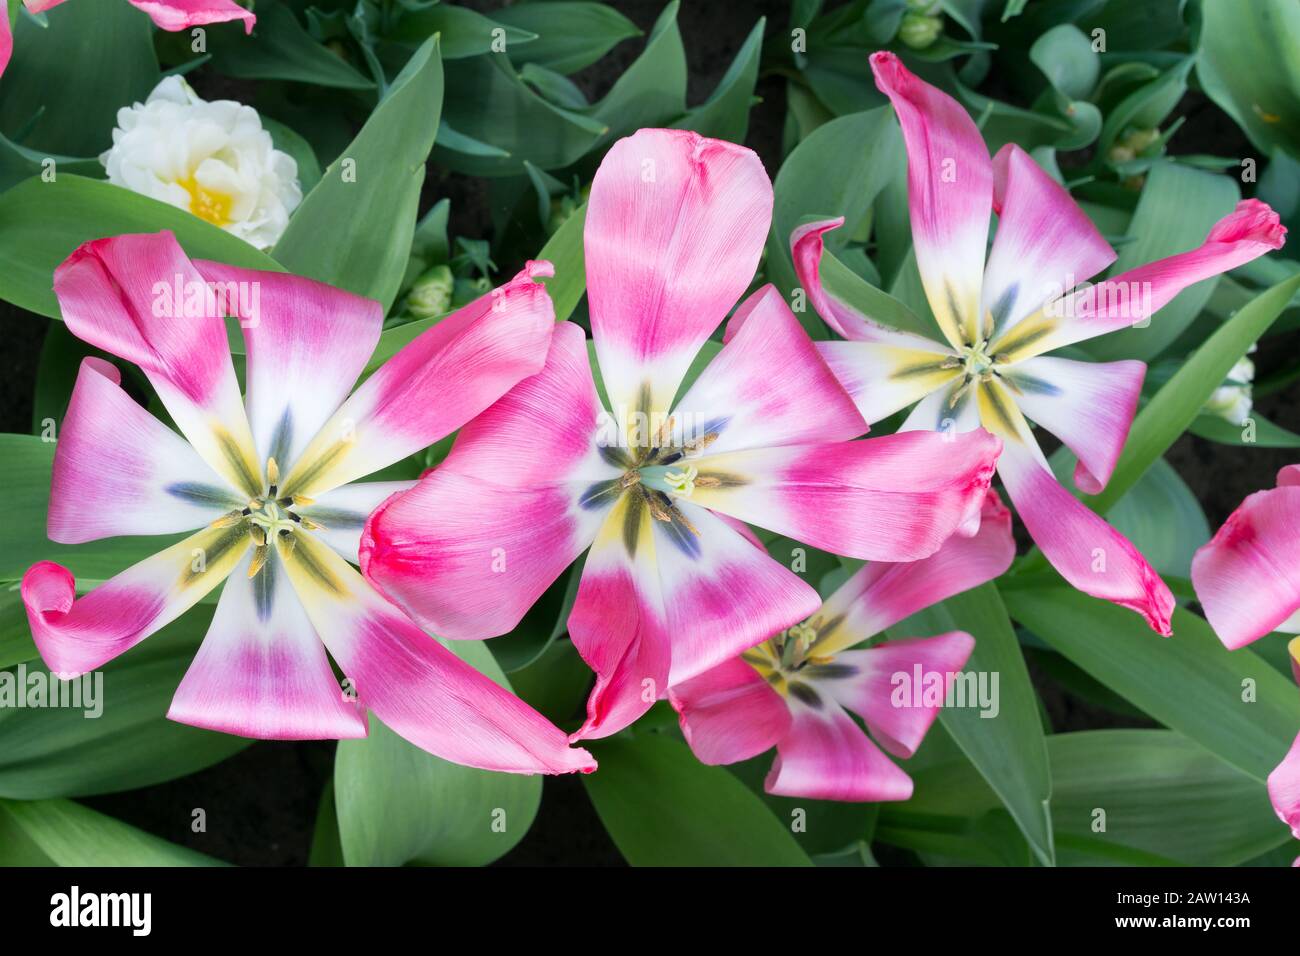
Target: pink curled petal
{"type": "Point", "coordinates": [1284, 788]}
{"type": "Point", "coordinates": [173, 15]}
{"type": "Point", "coordinates": [729, 713]}
{"type": "Point", "coordinates": [826, 756]}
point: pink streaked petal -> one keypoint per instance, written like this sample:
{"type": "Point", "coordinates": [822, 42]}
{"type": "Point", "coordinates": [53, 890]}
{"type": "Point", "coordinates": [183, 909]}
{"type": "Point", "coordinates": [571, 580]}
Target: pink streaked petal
{"type": "Point", "coordinates": [729, 713]}
{"type": "Point", "coordinates": [1088, 405]}
{"type": "Point", "coordinates": [1246, 575]}
{"type": "Point", "coordinates": [896, 498]}
{"type": "Point", "coordinates": [619, 625]}
{"type": "Point", "coordinates": [890, 685]}
{"type": "Point", "coordinates": [949, 193]}
{"type": "Point", "coordinates": [306, 341]}
{"type": "Point", "coordinates": [342, 512]}
{"type": "Point", "coordinates": [261, 671]}
{"type": "Point", "coordinates": [883, 593]}
{"type": "Point", "coordinates": [414, 684]}
{"type": "Point", "coordinates": [675, 226]}
{"type": "Point", "coordinates": [826, 756]}
{"type": "Point", "coordinates": [176, 15]}
{"type": "Point", "coordinates": [1249, 232]}
{"type": "Point", "coordinates": [469, 549]}
{"type": "Point", "coordinates": [76, 635]}
{"type": "Point", "coordinates": [434, 385]}
{"type": "Point", "coordinates": [1284, 789]}
{"type": "Point", "coordinates": [120, 295]}
{"type": "Point", "coordinates": [768, 386]}
{"type": "Point", "coordinates": [120, 471]}
{"type": "Point", "coordinates": [1044, 246]}
{"type": "Point", "coordinates": [721, 594]}
{"type": "Point", "coordinates": [1087, 551]}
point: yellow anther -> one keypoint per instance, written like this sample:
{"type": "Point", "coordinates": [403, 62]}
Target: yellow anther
{"type": "Point", "coordinates": [228, 520]}
{"type": "Point", "coordinates": [272, 472]}
{"type": "Point", "coordinates": [259, 559]}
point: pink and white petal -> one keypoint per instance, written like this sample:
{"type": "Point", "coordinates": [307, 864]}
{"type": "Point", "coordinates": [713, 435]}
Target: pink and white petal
{"type": "Point", "coordinates": [619, 624]}
{"type": "Point", "coordinates": [176, 15]}
{"type": "Point", "coordinates": [307, 343]}
{"type": "Point", "coordinates": [474, 544]}
{"type": "Point", "coordinates": [767, 386]}
{"type": "Point", "coordinates": [434, 385]}
{"type": "Point", "coordinates": [949, 193]}
{"type": "Point", "coordinates": [120, 471]}
{"type": "Point", "coordinates": [721, 594]}
{"type": "Point", "coordinates": [675, 226]}
{"type": "Point", "coordinates": [882, 593]}
{"type": "Point", "coordinates": [897, 687]}
{"type": "Point", "coordinates": [826, 756]}
{"type": "Point", "coordinates": [342, 512]}
{"type": "Point", "coordinates": [884, 377]}
{"type": "Point", "coordinates": [948, 410]}
{"type": "Point", "coordinates": [1088, 405]}
{"type": "Point", "coordinates": [729, 713]}
{"type": "Point", "coordinates": [1284, 790]}
{"type": "Point", "coordinates": [1246, 575]}
{"type": "Point", "coordinates": [76, 635]}
{"type": "Point", "coordinates": [6, 43]}
{"type": "Point", "coordinates": [896, 498]}
{"type": "Point", "coordinates": [1044, 245]}
{"type": "Point", "coordinates": [1249, 232]}
{"type": "Point", "coordinates": [414, 684]}
{"type": "Point", "coordinates": [140, 298]}
{"type": "Point", "coordinates": [1087, 551]}
{"type": "Point", "coordinates": [261, 671]}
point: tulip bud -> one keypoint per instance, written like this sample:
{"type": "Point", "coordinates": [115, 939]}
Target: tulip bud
{"type": "Point", "coordinates": [919, 31]}
{"type": "Point", "coordinates": [431, 293]}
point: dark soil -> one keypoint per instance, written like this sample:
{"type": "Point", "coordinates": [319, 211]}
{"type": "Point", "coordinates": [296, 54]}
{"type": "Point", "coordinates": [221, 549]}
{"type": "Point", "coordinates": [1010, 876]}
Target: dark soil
{"type": "Point", "coordinates": [261, 804]}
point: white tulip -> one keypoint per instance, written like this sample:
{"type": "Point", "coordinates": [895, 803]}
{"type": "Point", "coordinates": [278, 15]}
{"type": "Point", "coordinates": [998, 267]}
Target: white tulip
{"type": "Point", "coordinates": [213, 159]}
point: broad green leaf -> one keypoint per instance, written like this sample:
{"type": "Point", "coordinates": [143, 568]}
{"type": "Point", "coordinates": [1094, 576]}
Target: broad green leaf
{"type": "Point", "coordinates": [354, 229]}
{"type": "Point", "coordinates": [463, 32]}
{"type": "Point", "coordinates": [20, 162]}
{"type": "Point", "coordinates": [1262, 433]}
{"type": "Point", "coordinates": [1066, 57]}
{"type": "Point", "coordinates": [66, 751]}
{"type": "Point", "coordinates": [1248, 62]}
{"type": "Point", "coordinates": [1007, 747]}
{"type": "Point", "coordinates": [1233, 704]}
{"type": "Point", "coordinates": [650, 92]}
{"type": "Point", "coordinates": [662, 807]}
{"type": "Point", "coordinates": [42, 223]}
{"type": "Point", "coordinates": [326, 848]}
{"type": "Point", "coordinates": [63, 833]}
{"type": "Point", "coordinates": [74, 75]}
{"type": "Point", "coordinates": [398, 804]}
{"type": "Point", "coordinates": [570, 36]}
{"type": "Point", "coordinates": [280, 49]}
{"type": "Point", "coordinates": [1164, 418]}
{"type": "Point", "coordinates": [725, 114]}
{"type": "Point", "coordinates": [819, 826]}
{"type": "Point", "coordinates": [16, 644]}
{"type": "Point", "coordinates": [1163, 519]}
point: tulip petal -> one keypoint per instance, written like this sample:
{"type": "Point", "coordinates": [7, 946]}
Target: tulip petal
{"type": "Point", "coordinates": [434, 385]}
{"type": "Point", "coordinates": [729, 713]}
{"type": "Point", "coordinates": [888, 375]}
{"type": "Point", "coordinates": [261, 671]}
{"type": "Point", "coordinates": [675, 226]}
{"type": "Point", "coordinates": [120, 471]}
{"type": "Point", "coordinates": [341, 514]}
{"type": "Point", "coordinates": [1088, 405]}
{"type": "Point", "coordinates": [1249, 232]}
{"type": "Point", "coordinates": [896, 498]}
{"type": "Point", "coordinates": [414, 684]}
{"type": "Point", "coordinates": [882, 593]}
{"type": "Point", "coordinates": [1044, 245]}
{"type": "Point", "coordinates": [768, 386]}
{"type": "Point", "coordinates": [949, 193]}
{"type": "Point", "coordinates": [474, 544]}
{"type": "Point", "coordinates": [76, 635]}
{"type": "Point", "coordinates": [826, 756]}
{"type": "Point", "coordinates": [898, 687]}
{"type": "Point", "coordinates": [307, 342]}
{"type": "Point", "coordinates": [138, 297]}
{"type": "Point", "coordinates": [176, 15]}
{"type": "Point", "coordinates": [1245, 576]}
{"type": "Point", "coordinates": [1284, 790]}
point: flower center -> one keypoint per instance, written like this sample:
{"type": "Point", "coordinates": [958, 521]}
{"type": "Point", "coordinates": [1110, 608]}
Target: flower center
{"type": "Point", "coordinates": [270, 519]}
{"type": "Point", "coordinates": [208, 204]}
{"type": "Point", "coordinates": [976, 359]}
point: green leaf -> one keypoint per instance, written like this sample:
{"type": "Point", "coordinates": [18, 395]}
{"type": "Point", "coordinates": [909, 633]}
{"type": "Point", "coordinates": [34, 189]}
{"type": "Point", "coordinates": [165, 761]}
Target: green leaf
{"type": "Point", "coordinates": [16, 644]}
{"type": "Point", "coordinates": [571, 36]}
{"type": "Point", "coordinates": [19, 162]}
{"type": "Point", "coordinates": [66, 751]}
{"type": "Point", "coordinates": [74, 75]}
{"type": "Point", "coordinates": [564, 250]}
{"type": "Point", "coordinates": [1263, 434]}
{"type": "Point", "coordinates": [1163, 519]}
{"type": "Point", "coordinates": [63, 833]}
{"type": "Point", "coordinates": [398, 804]}
{"type": "Point", "coordinates": [662, 807]}
{"type": "Point", "coordinates": [1066, 57]}
{"type": "Point", "coordinates": [463, 32]}
{"type": "Point", "coordinates": [354, 229]}
{"type": "Point", "coordinates": [652, 91]}
{"type": "Point", "coordinates": [1159, 424]}
{"type": "Point", "coordinates": [280, 49]}
{"type": "Point", "coordinates": [289, 142]}
{"type": "Point", "coordinates": [1190, 682]}
{"type": "Point", "coordinates": [725, 114]}
{"type": "Point", "coordinates": [1008, 749]}
{"type": "Point", "coordinates": [1146, 107]}
{"type": "Point", "coordinates": [1248, 62]}
{"type": "Point", "coordinates": [42, 223]}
